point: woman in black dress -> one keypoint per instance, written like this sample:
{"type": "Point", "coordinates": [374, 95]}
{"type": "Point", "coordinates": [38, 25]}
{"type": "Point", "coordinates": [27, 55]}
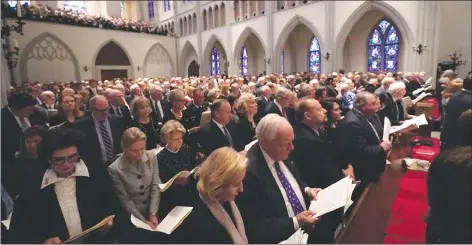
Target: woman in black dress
{"type": "Point", "coordinates": [174, 158]}
{"type": "Point", "coordinates": [246, 126]}
{"type": "Point", "coordinates": [66, 114]}
{"type": "Point", "coordinates": [332, 133]}
{"type": "Point", "coordinates": [140, 108]}
{"type": "Point", "coordinates": [177, 102]}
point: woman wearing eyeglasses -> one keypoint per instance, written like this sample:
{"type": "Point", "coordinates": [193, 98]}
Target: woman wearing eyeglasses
{"type": "Point", "coordinates": [70, 200]}
{"type": "Point", "coordinates": [177, 101]}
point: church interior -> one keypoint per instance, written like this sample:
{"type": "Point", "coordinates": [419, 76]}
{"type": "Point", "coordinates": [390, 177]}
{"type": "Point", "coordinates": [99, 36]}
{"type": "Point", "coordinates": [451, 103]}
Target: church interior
{"type": "Point", "coordinates": [337, 53]}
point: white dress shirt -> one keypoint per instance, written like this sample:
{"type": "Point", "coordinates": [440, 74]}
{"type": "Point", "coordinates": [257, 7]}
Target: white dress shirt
{"type": "Point", "coordinates": [219, 126]}
{"type": "Point", "coordinates": [65, 189]}
{"type": "Point", "coordinates": [159, 107]}
{"type": "Point", "coordinates": [293, 182]}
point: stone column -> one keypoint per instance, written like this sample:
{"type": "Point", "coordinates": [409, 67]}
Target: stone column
{"type": "Point", "coordinates": [270, 38]}
{"type": "Point", "coordinates": [328, 39]}
{"type": "Point", "coordinates": [199, 36]}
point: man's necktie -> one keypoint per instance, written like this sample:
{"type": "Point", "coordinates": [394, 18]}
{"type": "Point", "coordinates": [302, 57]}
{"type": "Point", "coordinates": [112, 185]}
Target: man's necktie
{"type": "Point", "coordinates": [228, 136]}
{"type": "Point", "coordinates": [158, 111]}
{"type": "Point", "coordinates": [292, 197]}
{"type": "Point", "coordinates": [110, 151]}
{"type": "Point", "coordinates": [283, 113]}
{"type": "Point", "coordinates": [118, 111]}
{"type": "Point", "coordinates": [24, 125]}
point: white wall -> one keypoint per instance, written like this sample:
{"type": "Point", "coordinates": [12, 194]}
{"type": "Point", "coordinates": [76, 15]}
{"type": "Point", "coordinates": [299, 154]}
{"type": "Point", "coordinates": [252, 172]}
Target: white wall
{"type": "Point", "coordinates": [456, 33]}
{"type": "Point", "coordinates": [84, 44]}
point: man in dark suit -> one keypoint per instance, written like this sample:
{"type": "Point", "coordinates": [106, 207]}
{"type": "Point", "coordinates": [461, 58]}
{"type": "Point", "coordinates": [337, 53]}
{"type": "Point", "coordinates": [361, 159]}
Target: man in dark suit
{"type": "Point", "coordinates": [362, 141]}
{"type": "Point", "coordinates": [160, 106]}
{"type": "Point", "coordinates": [103, 134]}
{"type": "Point", "coordinates": [331, 90]}
{"type": "Point", "coordinates": [220, 132]}
{"type": "Point", "coordinates": [49, 100]}
{"type": "Point", "coordinates": [117, 105]}
{"type": "Point", "coordinates": [17, 116]}
{"type": "Point", "coordinates": [316, 160]}
{"type": "Point", "coordinates": [282, 100]}
{"type": "Point", "coordinates": [451, 135]}
{"type": "Point", "coordinates": [262, 102]}
{"type": "Point", "coordinates": [275, 198]}
{"type": "Point", "coordinates": [291, 80]}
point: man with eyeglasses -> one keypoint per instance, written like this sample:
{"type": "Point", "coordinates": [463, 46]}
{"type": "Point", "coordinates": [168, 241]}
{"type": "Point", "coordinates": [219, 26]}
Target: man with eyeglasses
{"type": "Point", "coordinates": [102, 131]}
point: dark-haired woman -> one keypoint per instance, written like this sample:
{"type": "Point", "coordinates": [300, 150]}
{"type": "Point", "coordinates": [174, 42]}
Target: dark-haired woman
{"type": "Point", "coordinates": [27, 168]}
{"type": "Point", "coordinates": [69, 200]}
{"type": "Point", "coordinates": [333, 114]}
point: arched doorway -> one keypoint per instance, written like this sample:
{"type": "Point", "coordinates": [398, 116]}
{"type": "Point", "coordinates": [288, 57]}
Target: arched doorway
{"type": "Point", "coordinates": [112, 62]}
{"type": "Point", "coordinates": [193, 69]}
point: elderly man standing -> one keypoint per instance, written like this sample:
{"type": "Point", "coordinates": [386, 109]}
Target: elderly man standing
{"type": "Point", "coordinates": [49, 100]}
{"type": "Point", "coordinates": [291, 80]}
{"type": "Point", "coordinates": [117, 105]}
{"type": "Point", "coordinates": [102, 132]}
{"type": "Point", "coordinates": [281, 102]}
{"type": "Point", "coordinates": [362, 143]}
{"type": "Point", "coordinates": [275, 198]}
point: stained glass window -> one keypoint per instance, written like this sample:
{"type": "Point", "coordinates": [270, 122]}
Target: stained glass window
{"type": "Point", "coordinates": [151, 8]}
{"type": "Point", "coordinates": [314, 56]}
{"type": "Point", "coordinates": [166, 5]}
{"type": "Point", "coordinates": [282, 62]}
{"type": "Point", "coordinates": [13, 3]}
{"type": "Point", "coordinates": [383, 48]}
{"type": "Point", "coordinates": [215, 62]}
{"type": "Point", "coordinates": [76, 6]}
{"type": "Point", "coordinates": [244, 59]}
{"type": "Point", "coordinates": [122, 9]}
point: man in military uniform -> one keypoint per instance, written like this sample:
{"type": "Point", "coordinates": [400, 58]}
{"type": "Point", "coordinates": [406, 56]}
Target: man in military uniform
{"type": "Point", "coordinates": [192, 116]}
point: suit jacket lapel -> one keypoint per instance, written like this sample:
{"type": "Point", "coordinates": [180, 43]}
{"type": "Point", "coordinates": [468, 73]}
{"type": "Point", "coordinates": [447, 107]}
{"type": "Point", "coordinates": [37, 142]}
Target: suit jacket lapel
{"type": "Point", "coordinates": [268, 182]}
{"type": "Point", "coordinates": [367, 125]}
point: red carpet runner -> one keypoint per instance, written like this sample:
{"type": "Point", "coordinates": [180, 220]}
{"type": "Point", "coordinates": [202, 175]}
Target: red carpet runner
{"type": "Point", "coordinates": [406, 224]}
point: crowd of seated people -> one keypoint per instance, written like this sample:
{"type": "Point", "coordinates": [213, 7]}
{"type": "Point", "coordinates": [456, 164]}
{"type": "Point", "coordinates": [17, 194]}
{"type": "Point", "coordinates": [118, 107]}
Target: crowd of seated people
{"type": "Point", "coordinates": [76, 152]}
{"type": "Point", "coordinates": [69, 17]}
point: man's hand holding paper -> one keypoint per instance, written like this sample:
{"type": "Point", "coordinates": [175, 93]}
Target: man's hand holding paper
{"type": "Point", "coordinates": [312, 193]}
{"type": "Point", "coordinates": [307, 219]}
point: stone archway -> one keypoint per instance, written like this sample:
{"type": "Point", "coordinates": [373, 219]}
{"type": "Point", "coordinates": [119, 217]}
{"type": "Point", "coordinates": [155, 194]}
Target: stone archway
{"type": "Point", "coordinates": [193, 69]}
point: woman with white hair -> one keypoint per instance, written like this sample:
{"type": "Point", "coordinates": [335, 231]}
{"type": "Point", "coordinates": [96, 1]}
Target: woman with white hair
{"type": "Point", "coordinates": [397, 109]}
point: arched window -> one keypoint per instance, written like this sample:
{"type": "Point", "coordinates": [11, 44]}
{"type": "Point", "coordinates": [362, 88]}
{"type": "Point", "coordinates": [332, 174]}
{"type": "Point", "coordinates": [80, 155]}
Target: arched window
{"type": "Point", "coordinates": [215, 62]}
{"type": "Point", "coordinates": [122, 9]}
{"type": "Point", "coordinates": [166, 5]}
{"type": "Point", "coordinates": [151, 8]}
{"type": "Point", "coordinates": [314, 56]}
{"type": "Point", "coordinates": [13, 3]}
{"type": "Point", "coordinates": [282, 63]}
{"type": "Point", "coordinates": [76, 6]}
{"type": "Point", "coordinates": [243, 64]}
{"type": "Point", "coordinates": [383, 48]}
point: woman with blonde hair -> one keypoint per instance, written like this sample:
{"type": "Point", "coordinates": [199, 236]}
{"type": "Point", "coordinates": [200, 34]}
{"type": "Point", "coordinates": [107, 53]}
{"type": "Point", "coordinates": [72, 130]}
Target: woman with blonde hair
{"type": "Point", "coordinates": [177, 102]}
{"type": "Point", "coordinates": [140, 108]}
{"type": "Point", "coordinates": [135, 178]}
{"type": "Point", "coordinates": [246, 126]}
{"type": "Point", "coordinates": [216, 217]}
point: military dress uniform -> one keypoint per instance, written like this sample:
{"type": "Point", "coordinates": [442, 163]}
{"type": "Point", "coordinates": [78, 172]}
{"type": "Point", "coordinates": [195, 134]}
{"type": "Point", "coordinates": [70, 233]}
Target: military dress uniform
{"type": "Point", "coordinates": [191, 118]}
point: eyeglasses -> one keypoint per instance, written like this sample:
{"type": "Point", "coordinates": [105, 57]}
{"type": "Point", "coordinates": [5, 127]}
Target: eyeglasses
{"type": "Point", "coordinates": [74, 158]}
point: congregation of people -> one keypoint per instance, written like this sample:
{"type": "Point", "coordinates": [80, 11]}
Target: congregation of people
{"type": "Point", "coordinates": [76, 152]}
{"type": "Point", "coordinates": [63, 16]}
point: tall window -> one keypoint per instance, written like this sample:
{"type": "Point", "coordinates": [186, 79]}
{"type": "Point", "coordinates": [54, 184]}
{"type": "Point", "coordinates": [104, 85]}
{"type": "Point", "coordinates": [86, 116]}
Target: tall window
{"type": "Point", "coordinates": [122, 9]}
{"type": "Point", "coordinates": [243, 65]}
{"type": "Point", "coordinates": [13, 3]}
{"type": "Point", "coordinates": [215, 62]}
{"type": "Point", "coordinates": [166, 5]}
{"type": "Point", "coordinates": [314, 56]}
{"type": "Point", "coordinates": [151, 8]}
{"type": "Point", "coordinates": [76, 6]}
{"type": "Point", "coordinates": [282, 62]}
{"type": "Point", "coordinates": [383, 48]}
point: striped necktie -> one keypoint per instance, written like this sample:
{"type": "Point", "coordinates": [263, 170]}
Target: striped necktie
{"type": "Point", "coordinates": [110, 151]}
